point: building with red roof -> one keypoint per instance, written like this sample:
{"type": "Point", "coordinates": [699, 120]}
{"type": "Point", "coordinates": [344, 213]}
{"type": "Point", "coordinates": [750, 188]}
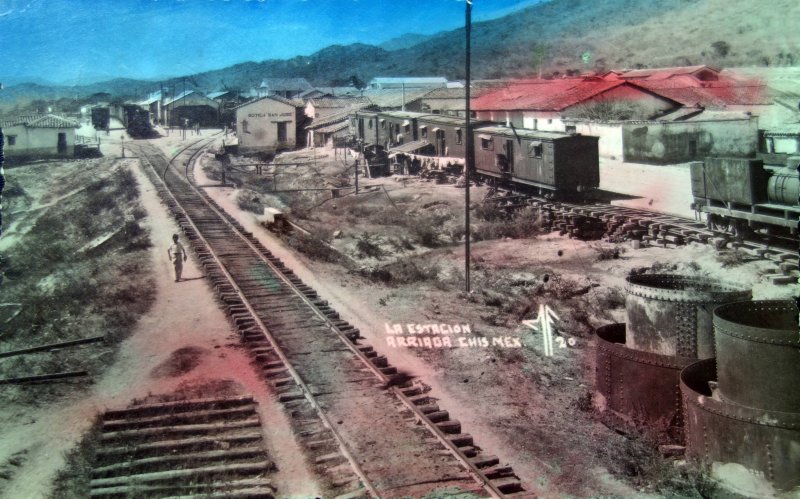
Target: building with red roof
{"type": "Point", "coordinates": [539, 104]}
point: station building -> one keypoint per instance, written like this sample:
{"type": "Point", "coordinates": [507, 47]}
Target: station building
{"type": "Point", "coordinates": [270, 124]}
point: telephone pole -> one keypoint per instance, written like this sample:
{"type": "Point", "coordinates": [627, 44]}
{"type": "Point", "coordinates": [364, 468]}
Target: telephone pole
{"type": "Point", "coordinates": [468, 157]}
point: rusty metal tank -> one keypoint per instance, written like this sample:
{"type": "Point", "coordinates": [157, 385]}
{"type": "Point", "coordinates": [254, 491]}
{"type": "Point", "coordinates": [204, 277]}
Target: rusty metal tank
{"type": "Point", "coordinates": [636, 389]}
{"type": "Point", "coordinates": [672, 314]}
{"type": "Point", "coordinates": [758, 355]}
{"type": "Point", "coordinates": [717, 432]}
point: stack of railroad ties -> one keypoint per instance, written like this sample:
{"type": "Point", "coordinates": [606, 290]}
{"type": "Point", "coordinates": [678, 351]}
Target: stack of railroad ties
{"type": "Point", "coordinates": [593, 223]}
{"type": "Point", "coordinates": [702, 369]}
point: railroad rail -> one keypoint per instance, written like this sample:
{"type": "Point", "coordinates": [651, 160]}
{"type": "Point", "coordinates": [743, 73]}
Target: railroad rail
{"type": "Point", "coordinates": [368, 428]}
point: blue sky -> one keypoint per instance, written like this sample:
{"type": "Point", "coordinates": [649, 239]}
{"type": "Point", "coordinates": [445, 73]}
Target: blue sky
{"type": "Point", "coordinates": [75, 41]}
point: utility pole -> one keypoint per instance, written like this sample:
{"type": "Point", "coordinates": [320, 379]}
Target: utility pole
{"type": "Point", "coordinates": [361, 147]}
{"type": "Point", "coordinates": [2, 177]}
{"type": "Point", "coordinates": [183, 105]}
{"type": "Point", "coordinates": [469, 156]}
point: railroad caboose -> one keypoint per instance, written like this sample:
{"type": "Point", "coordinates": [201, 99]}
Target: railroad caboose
{"type": "Point", "coordinates": [547, 163]}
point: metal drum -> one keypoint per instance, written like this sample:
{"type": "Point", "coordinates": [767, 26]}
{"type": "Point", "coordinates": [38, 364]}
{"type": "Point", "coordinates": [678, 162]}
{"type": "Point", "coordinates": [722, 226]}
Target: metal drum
{"type": "Point", "coordinates": [718, 432]}
{"type": "Point", "coordinates": [758, 354]}
{"type": "Point", "coordinates": [638, 390]}
{"type": "Point", "coordinates": [672, 314]}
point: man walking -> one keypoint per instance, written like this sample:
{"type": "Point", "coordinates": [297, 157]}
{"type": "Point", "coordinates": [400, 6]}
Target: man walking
{"type": "Point", "coordinates": [177, 256]}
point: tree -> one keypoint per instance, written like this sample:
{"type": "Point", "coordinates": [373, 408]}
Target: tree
{"type": "Point", "coordinates": [357, 82]}
{"type": "Point", "coordinates": [721, 48]}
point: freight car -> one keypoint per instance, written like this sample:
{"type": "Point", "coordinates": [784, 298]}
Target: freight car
{"type": "Point", "coordinates": [741, 195]}
{"type": "Point", "coordinates": [551, 164]}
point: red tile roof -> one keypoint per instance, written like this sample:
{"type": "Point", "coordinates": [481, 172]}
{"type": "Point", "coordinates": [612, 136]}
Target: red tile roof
{"type": "Point", "coordinates": [545, 95]}
{"type": "Point", "coordinates": [710, 94]}
{"type": "Point", "coordinates": [677, 84]}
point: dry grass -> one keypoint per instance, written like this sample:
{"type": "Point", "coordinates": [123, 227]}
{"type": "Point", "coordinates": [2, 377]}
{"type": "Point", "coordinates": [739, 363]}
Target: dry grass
{"type": "Point", "coordinates": [69, 290]}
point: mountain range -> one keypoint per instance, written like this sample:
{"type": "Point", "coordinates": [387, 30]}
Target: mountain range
{"type": "Point", "coordinates": [555, 37]}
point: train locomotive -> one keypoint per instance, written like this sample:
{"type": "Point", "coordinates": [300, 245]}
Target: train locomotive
{"type": "Point", "coordinates": [742, 195]}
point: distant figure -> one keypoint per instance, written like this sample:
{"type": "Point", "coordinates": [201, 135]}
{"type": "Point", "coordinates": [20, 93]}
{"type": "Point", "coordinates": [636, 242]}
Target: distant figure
{"type": "Point", "coordinates": [175, 252]}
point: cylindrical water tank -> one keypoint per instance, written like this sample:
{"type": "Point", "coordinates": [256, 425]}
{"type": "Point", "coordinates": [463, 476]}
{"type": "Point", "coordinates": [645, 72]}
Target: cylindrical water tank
{"type": "Point", "coordinates": [672, 314]}
{"type": "Point", "coordinates": [758, 354]}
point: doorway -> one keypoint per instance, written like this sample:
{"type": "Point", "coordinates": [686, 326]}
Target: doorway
{"type": "Point", "coordinates": [509, 150]}
{"type": "Point", "coordinates": [62, 143]}
{"type": "Point", "coordinates": [441, 145]}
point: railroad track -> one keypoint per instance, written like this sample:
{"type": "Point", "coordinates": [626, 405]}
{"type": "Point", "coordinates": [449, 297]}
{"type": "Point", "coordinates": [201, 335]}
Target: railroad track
{"type": "Point", "coordinates": [368, 429]}
{"type": "Point", "coordinates": [210, 448]}
{"type": "Point", "coordinates": [617, 223]}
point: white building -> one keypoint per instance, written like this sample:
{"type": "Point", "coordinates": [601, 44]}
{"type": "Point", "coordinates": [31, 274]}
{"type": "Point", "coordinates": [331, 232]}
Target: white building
{"type": "Point", "coordinates": [270, 124]}
{"type": "Point", "coordinates": [39, 136]}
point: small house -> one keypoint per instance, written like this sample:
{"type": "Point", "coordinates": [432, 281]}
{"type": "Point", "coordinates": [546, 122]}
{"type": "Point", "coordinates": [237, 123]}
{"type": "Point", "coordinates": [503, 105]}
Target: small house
{"type": "Point", "coordinates": [39, 136]}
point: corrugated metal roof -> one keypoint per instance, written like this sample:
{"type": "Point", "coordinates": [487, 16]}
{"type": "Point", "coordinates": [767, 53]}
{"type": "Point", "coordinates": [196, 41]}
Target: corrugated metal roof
{"type": "Point", "coordinates": [393, 97]}
{"type": "Point", "coordinates": [456, 93]}
{"type": "Point", "coordinates": [181, 95]}
{"type": "Point", "coordinates": [402, 114]}
{"type": "Point", "coordinates": [664, 73]}
{"type": "Point", "coordinates": [410, 147]}
{"type": "Point", "coordinates": [279, 84]}
{"type": "Point", "coordinates": [521, 132]}
{"type": "Point", "coordinates": [214, 95]}
{"type": "Point", "coordinates": [409, 80]}
{"type": "Point", "coordinates": [338, 102]}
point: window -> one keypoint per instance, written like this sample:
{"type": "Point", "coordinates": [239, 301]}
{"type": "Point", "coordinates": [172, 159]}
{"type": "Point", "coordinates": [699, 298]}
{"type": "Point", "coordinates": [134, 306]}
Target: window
{"type": "Point", "coordinates": [571, 129]}
{"type": "Point", "coordinates": [282, 135]}
{"type": "Point", "coordinates": [383, 124]}
{"type": "Point", "coordinates": [423, 132]}
{"type": "Point", "coordinates": [535, 150]}
{"type": "Point", "coordinates": [11, 139]}
{"type": "Point", "coordinates": [369, 124]}
{"type": "Point", "coordinates": [487, 144]}
{"type": "Point", "coordinates": [458, 135]}
{"type": "Point", "coordinates": [244, 126]}
{"type": "Point", "coordinates": [407, 128]}
{"type": "Point", "coordinates": [550, 122]}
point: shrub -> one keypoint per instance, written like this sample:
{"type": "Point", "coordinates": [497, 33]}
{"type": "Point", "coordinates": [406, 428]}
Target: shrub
{"type": "Point", "coordinates": [368, 246]}
{"type": "Point", "coordinates": [249, 201]}
{"type": "Point", "coordinates": [314, 248]}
